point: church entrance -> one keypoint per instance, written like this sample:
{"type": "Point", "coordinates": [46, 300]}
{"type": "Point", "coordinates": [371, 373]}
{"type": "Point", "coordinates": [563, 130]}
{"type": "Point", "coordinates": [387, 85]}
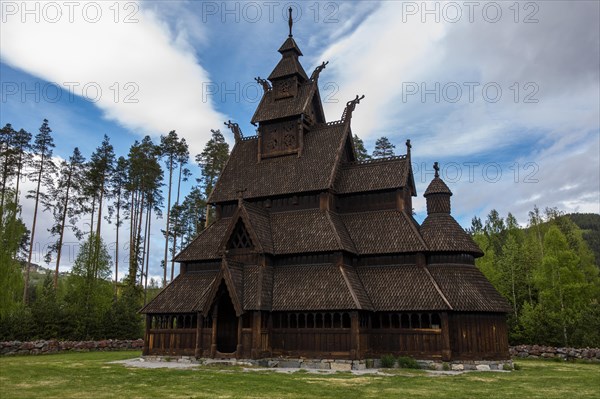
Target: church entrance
{"type": "Point", "coordinates": [226, 323]}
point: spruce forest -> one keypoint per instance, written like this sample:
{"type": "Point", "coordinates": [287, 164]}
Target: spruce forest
{"type": "Point", "coordinates": [548, 270]}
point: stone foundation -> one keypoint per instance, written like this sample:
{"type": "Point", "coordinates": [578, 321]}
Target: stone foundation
{"type": "Point", "coordinates": [9, 348]}
{"type": "Point", "coordinates": [336, 364]}
{"type": "Point", "coordinates": [550, 352]}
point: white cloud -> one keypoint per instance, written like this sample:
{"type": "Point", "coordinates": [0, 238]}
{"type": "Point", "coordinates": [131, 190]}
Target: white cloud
{"type": "Point", "coordinates": [145, 59]}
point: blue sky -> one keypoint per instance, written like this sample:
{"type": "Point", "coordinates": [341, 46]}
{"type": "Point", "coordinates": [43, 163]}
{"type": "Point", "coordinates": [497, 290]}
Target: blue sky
{"type": "Point", "coordinates": [505, 97]}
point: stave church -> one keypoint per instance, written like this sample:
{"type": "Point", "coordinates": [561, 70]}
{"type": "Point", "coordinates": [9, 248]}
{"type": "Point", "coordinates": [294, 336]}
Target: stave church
{"type": "Point", "coordinates": [314, 254]}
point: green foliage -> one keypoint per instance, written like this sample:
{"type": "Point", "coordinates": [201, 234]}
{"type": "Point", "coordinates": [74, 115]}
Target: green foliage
{"type": "Point", "coordinates": [548, 275]}
{"type": "Point", "coordinates": [122, 320]}
{"type": "Point", "coordinates": [12, 234]}
{"type": "Point", "coordinates": [406, 362]}
{"type": "Point", "coordinates": [212, 160]}
{"type": "Point", "coordinates": [383, 148]}
{"type": "Point", "coordinates": [89, 292]}
{"type": "Point", "coordinates": [359, 149]}
{"type": "Point", "coordinates": [446, 366]}
{"type": "Point", "coordinates": [388, 361]}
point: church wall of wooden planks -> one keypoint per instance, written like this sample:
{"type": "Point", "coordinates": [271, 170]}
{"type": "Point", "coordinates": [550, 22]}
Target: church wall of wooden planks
{"type": "Point", "coordinates": [315, 254]}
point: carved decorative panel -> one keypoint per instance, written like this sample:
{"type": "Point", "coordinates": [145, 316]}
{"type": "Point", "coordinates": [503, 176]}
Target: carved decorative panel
{"type": "Point", "coordinates": [279, 138]}
{"type": "Point", "coordinates": [285, 88]}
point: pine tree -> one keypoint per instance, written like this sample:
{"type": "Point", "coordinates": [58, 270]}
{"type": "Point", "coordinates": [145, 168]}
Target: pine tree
{"type": "Point", "coordinates": [44, 168]}
{"type": "Point", "coordinates": [12, 234]}
{"type": "Point", "coordinates": [7, 160]}
{"type": "Point", "coordinates": [184, 174]}
{"type": "Point", "coordinates": [89, 291]}
{"type": "Point", "coordinates": [212, 161]}
{"type": "Point", "coordinates": [172, 152]}
{"type": "Point", "coordinates": [100, 168]}
{"type": "Point", "coordinates": [144, 181]}
{"type": "Point", "coordinates": [118, 184]}
{"type": "Point", "coordinates": [383, 148]}
{"type": "Point", "coordinates": [359, 149]}
{"type": "Point", "coordinates": [65, 201]}
{"type": "Point", "coordinates": [22, 147]}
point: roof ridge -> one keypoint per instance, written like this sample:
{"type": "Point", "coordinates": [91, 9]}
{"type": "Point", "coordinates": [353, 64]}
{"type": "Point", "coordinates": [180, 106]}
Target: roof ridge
{"type": "Point", "coordinates": [350, 288]}
{"type": "Point", "coordinates": [377, 160]}
{"type": "Point", "coordinates": [437, 287]}
{"type": "Point", "coordinates": [338, 155]}
{"type": "Point", "coordinates": [335, 232]}
{"type": "Point", "coordinates": [415, 227]}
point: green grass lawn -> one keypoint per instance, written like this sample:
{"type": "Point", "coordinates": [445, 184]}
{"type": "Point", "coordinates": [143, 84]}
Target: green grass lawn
{"type": "Point", "coordinates": [88, 375]}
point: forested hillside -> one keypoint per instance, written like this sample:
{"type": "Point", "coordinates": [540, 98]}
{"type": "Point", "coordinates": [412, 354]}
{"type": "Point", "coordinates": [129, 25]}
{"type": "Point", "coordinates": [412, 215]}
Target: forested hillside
{"type": "Point", "coordinates": [547, 272]}
{"type": "Point", "coordinates": [589, 223]}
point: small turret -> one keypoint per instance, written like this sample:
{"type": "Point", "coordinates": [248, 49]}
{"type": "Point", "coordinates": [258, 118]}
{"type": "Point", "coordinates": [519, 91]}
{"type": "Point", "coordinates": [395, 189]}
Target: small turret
{"type": "Point", "coordinates": [437, 194]}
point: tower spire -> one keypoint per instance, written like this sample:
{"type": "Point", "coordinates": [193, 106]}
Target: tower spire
{"type": "Point", "coordinates": [290, 21]}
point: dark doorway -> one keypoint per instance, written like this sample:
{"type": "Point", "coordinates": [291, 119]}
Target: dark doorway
{"type": "Point", "coordinates": [226, 322]}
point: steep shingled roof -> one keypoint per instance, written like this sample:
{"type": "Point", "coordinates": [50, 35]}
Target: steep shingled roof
{"type": "Point", "coordinates": [373, 175]}
{"type": "Point", "coordinates": [311, 230]}
{"type": "Point", "coordinates": [313, 171]}
{"type": "Point", "coordinates": [312, 287]}
{"type": "Point", "coordinates": [269, 108]}
{"type": "Point", "coordinates": [187, 293]}
{"type": "Point", "coordinates": [206, 245]}
{"type": "Point", "coordinates": [437, 186]}
{"type": "Point", "coordinates": [400, 288]}
{"type": "Point", "coordinates": [467, 289]}
{"type": "Point", "coordinates": [443, 234]}
{"type": "Point", "coordinates": [379, 232]}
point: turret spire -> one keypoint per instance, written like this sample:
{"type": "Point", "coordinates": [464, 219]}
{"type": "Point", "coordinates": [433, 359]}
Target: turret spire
{"type": "Point", "coordinates": [290, 21]}
{"type": "Point", "coordinates": [436, 167]}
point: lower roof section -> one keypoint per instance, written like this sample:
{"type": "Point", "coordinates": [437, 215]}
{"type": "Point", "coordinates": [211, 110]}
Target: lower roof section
{"type": "Point", "coordinates": [186, 294]}
{"type": "Point", "coordinates": [328, 286]}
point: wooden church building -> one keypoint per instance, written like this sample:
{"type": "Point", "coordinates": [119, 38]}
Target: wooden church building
{"type": "Point", "coordinates": [313, 253]}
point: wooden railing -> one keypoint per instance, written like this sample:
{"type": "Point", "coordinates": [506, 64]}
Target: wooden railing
{"type": "Point", "coordinates": [310, 340]}
{"type": "Point", "coordinates": [178, 341]}
{"type": "Point", "coordinates": [406, 341]}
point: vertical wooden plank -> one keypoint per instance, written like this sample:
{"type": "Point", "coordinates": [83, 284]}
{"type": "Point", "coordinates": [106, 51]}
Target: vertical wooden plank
{"type": "Point", "coordinates": [199, 324]}
{"type": "Point", "coordinates": [213, 338]}
{"type": "Point", "coordinates": [446, 350]}
{"type": "Point", "coordinates": [238, 349]}
{"type": "Point", "coordinates": [256, 327]}
{"type": "Point", "coordinates": [146, 350]}
{"type": "Point", "coordinates": [354, 336]}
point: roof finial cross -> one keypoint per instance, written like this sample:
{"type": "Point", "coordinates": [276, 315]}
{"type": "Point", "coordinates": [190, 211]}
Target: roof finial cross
{"type": "Point", "coordinates": [290, 21]}
{"type": "Point", "coordinates": [436, 167]}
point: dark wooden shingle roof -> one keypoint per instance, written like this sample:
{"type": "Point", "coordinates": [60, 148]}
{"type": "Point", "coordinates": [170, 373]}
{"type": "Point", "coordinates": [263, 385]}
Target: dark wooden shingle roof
{"type": "Point", "coordinates": [311, 230]}
{"type": "Point", "coordinates": [206, 245]}
{"type": "Point", "coordinates": [400, 288]}
{"type": "Point", "coordinates": [313, 171]}
{"type": "Point", "coordinates": [467, 289]}
{"type": "Point", "coordinates": [443, 234]}
{"type": "Point", "coordinates": [269, 108]}
{"type": "Point", "coordinates": [312, 287]}
{"type": "Point", "coordinates": [379, 232]}
{"type": "Point", "coordinates": [373, 175]}
{"type": "Point", "coordinates": [437, 186]}
{"type": "Point", "coordinates": [186, 294]}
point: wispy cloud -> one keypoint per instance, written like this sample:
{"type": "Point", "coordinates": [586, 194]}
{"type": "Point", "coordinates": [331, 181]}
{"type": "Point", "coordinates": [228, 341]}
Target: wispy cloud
{"type": "Point", "coordinates": [139, 70]}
